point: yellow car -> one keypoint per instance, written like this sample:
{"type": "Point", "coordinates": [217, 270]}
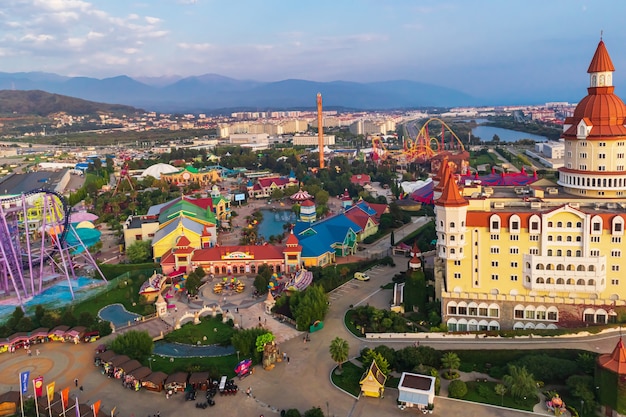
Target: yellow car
{"type": "Point", "coordinates": [361, 276]}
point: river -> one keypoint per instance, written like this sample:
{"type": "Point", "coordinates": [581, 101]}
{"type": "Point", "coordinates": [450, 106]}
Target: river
{"type": "Point", "coordinates": [485, 133]}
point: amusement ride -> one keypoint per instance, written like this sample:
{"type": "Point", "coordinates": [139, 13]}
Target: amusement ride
{"type": "Point", "coordinates": [42, 241]}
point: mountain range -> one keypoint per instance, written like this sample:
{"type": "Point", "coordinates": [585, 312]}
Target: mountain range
{"type": "Point", "coordinates": [211, 92]}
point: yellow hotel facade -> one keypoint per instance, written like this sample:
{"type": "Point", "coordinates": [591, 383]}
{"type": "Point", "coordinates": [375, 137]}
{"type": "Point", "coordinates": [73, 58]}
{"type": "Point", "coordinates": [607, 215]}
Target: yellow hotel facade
{"type": "Point", "coordinates": [548, 255]}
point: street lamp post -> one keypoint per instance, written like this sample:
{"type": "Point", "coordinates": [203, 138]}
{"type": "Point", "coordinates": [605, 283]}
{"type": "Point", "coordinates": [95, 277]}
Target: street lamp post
{"type": "Point", "coordinates": [241, 321]}
{"type": "Point", "coordinates": [327, 409]}
{"type": "Point", "coordinates": [237, 355]}
{"type": "Point", "coordinates": [582, 405]}
{"type": "Point", "coordinates": [150, 362]}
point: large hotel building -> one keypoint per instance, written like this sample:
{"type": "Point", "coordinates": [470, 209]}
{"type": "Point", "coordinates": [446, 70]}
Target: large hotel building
{"type": "Point", "coordinates": [548, 254]}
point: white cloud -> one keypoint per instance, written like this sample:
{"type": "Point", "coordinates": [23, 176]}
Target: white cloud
{"type": "Point", "coordinates": [195, 46]}
{"type": "Point", "coordinates": [152, 20]}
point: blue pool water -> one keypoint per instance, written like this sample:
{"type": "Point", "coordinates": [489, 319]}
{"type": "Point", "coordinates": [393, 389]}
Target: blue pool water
{"type": "Point", "coordinates": [58, 295]}
{"type": "Point", "coordinates": [179, 350]}
{"type": "Point", "coordinates": [273, 221]}
{"type": "Point", "coordinates": [117, 314]}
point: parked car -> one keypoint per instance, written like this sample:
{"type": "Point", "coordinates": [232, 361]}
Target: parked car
{"type": "Point", "coordinates": [361, 276]}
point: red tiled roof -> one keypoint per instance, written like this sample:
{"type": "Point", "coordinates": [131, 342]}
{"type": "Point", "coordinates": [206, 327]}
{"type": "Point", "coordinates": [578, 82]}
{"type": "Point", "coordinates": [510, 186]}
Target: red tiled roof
{"type": "Point", "coordinates": [378, 208]}
{"type": "Point", "coordinates": [183, 241]}
{"type": "Point", "coordinates": [266, 252]}
{"type": "Point", "coordinates": [450, 196]}
{"type": "Point", "coordinates": [307, 203]}
{"type": "Point", "coordinates": [601, 61]}
{"type": "Point", "coordinates": [616, 360]}
{"type": "Point", "coordinates": [360, 179]}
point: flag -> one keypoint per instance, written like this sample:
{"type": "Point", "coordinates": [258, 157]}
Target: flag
{"type": "Point", "coordinates": [50, 391]}
{"type": "Point", "coordinates": [96, 408]}
{"type": "Point", "coordinates": [24, 376]}
{"type": "Point", "coordinates": [65, 397]}
{"type": "Point", "coordinates": [38, 386]}
{"type": "Point", "coordinates": [77, 408]}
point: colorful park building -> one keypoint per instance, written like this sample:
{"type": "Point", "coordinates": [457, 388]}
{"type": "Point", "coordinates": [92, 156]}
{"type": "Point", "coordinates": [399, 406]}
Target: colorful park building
{"type": "Point", "coordinates": [547, 254]}
{"type": "Point", "coordinates": [373, 382]}
{"type": "Point", "coordinates": [190, 175]}
{"type": "Point", "coordinates": [234, 260]}
{"type": "Point", "coordinates": [263, 187]}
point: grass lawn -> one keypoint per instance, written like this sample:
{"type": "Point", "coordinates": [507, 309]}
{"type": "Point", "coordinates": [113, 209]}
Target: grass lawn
{"type": "Point", "coordinates": [217, 366]}
{"type": "Point", "coordinates": [484, 392]}
{"type": "Point", "coordinates": [118, 292]}
{"type": "Point", "coordinates": [349, 378]}
{"type": "Point", "coordinates": [191, 333]}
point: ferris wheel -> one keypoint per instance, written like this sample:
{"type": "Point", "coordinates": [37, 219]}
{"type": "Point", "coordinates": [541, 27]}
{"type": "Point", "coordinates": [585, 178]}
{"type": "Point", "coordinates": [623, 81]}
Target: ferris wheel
{"type": "Point", "coordinates": [39, 243]}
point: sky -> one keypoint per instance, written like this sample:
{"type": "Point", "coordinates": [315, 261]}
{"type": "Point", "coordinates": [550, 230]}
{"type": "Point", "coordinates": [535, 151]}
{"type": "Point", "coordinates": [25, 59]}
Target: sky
{"type": "Point", "coordinates": [478, 46]}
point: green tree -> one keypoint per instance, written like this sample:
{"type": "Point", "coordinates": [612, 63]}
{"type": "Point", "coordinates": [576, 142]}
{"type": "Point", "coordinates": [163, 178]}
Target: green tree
{"type": "Point", "coordinates": [135, 344]}
{"type": "Point", "coordinates": [293, 412]}
{"type": "Point", "coordinates": [314, 412]}
{"type": "Point", "coordinates": [586, 362]}
{"type": "Point", "coordinates": [520, 382]}
{"type": "Point", "coordinates": [309, 306]}
{"type": "Point", "coordinates": [369, 355]}
{"type": "Point", "coordinates": [500, 390]}
{"type": "Point", "coordinates": [192, 283]}
{"type": "Point", "coordinates": [451, 361]}
{"type": "Point", "coordinates": [457, 389]}
{"type": "Point", "coordinates": [339, 350]}
{"type": "Point", "coordinates": [263, 340]}
{"type": "Point", "coordinates": [139, 252]}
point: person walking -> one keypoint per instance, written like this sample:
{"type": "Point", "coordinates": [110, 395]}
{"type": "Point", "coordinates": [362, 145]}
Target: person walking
{"type": "Point", "coordinates": [76, 382]}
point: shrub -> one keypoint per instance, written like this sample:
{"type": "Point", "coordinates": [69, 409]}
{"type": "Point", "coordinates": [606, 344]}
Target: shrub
{"type": "Point", "coordinates": [457, 389]}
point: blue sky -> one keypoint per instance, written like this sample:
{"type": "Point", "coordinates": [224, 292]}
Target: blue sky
{"type": "Point", "coordinates": [479, 47]}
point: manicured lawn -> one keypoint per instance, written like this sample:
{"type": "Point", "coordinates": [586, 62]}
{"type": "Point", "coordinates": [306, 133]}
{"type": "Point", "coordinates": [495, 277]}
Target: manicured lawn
{"type": "Point", "coordinates": [217, 366]}
{"type": "Point", "coordinates": [210, 331]}
{"type": "Point", "coordinates": [349, 378]}
{"type": "Point", "coordinates": [484, 392]}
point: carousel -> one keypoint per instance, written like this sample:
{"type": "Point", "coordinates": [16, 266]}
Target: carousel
{"type": "Point", "coordinates": [556, 405]}
{"type": "Point", "coordinates": [231, 284]}
{"type": "Point", "coordinates": [301, 196]}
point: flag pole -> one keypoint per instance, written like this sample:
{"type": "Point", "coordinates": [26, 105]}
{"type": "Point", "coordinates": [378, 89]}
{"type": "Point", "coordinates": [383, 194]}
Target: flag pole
{"type": "Point", "coordinates": [36, 405]}
{"type": "Point", "coordinates": [21, 396]}
{"type": "Point", "coordinates": [49, 408]}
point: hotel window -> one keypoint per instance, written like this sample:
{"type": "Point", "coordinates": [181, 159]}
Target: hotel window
{"type": "Point", "coordinates": [568, 238]}
{"type": "Point", "coordinates": [514, 251]}
{"type": "Point", "coordinates": [620, 168]}
{"type": "Point", "coordinates": [549, 252]}
{"type": "Point", "coordinates": [620, 143]}
{"type": "Point", "coordinates": [620, 156]}
{"type": "Point", "coordinates": [457, 263]}
{"type": "Point", "coordinates": [616, 253]}
{"type": "Point", "coordinates": [534, 226]}
{"type": "Point", "coordinates": [534, 251]}
{"type": "Point", "coordinates": [601, 156]}
{"type": "Point", "coordinates": [582, 167]}
{"type": "Point", "coordinates": [494, 264]}
{"type": "Point", "coordinates": [519, 314]}
{"type": "Point", "coordinates": [457, 275]}
{"type": "Point", "coordinates": [597, 226]}
{"type": "Point", "coordinates": [601, 168]}
{"type": "Point", "coordinates": [495, 237]}
{"type": "Point", "coordinates": [494, 312]}
{"type": "Point", "coordinates": [602, 144]}
{"type": "Point", "coordinates": [540, 315]}
{"type": "Point", "coordinates": [595, 252]}
{"type": "Point", "coordinates": [514, 237]}
{"type": "Point", "coordinates": [594, 239]}
{"type": "Point", "coordinates": [569, 154]}
{"type": "Point", "coordinates": [615, 268]}
{"type": "Point", "coordinates": [483, 311]}
{"type": "Point", "coordinates": [552, 315]}
{"type": "Point", "coordinates": [495, 250]}
{"type": "Point", "coordinates": [451, 309]}
{"type": "Point", "coordinates": [616, 239]}
{"type": "Point", "coordinates": [513, 277]}
{"type": "Point", "coordinates": [615, 282]}
{"type": "Point", "coordinates": [583, 144]}
{"type": "Point", "coordinates": [473, 311]}
{"type": "Point", "coordinates": [530, 314]}
{"type": "Point", "coordinates": [549, 238]}
{"type": "Point", "coordinates": [534, 238]}
{"type": "Point", "coordinates": [513, 264]}
{"type": "Point", "coordinates": [495, 225]}
{"type": "Point", "coordinates": [494, 277]}
{"type": "Point", "coordinates": [463, 310]}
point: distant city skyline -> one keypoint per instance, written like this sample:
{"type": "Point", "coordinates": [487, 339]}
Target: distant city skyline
{"type": "Point", "coordinates": [482, 47]}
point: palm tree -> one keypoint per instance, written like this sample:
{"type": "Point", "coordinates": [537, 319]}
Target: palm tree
{"type": "Point", "coordinates": [339, 350]}
{"type": "Point", "coordinates": [520, 382]}
{"type": "Point", "coordinates": [451, 361]}
{"type": "Point", "coordinates": [500, 390]}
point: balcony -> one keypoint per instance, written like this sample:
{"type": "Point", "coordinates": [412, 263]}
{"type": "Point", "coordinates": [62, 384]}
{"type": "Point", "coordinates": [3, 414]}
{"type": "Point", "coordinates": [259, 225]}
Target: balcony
{"type": "Point", "coordinates": [564, 274]}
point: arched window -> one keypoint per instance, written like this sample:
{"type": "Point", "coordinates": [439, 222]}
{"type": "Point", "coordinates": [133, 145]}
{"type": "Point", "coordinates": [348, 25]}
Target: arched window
{"type": "Point", "coordinates": [591, 282]}
{"type": "Point", "coordinates": [579, 253]}
{"type": "Point", "coordinates": [568, 238]}
{"type": "Point", "coordinates": [569, 224]}
{"type": "Point", "coordinates": [559, 252]}
{"type": "Point", "coordinates": [581, 268]}
{"type": "Point", "coordinates": [540, 280]}
{"type": "Point", "coordinates": [451, 225]}
{"type": "Point", "coordinates": [549, 224]}
{"type": "Point", "coordinates": [591, 268]}
{"type": "Point", "coordinates": [579, 224]}
{"type": "Point", "coordinates": [570, 267]}
{"type": "Point", "coordinates": [560, 281]}
{"type": "Point", "coordinates": [549, 267]}
{"type": "Point", "coordinates": [580, 282]}
{"type": "Point", "coordinates": [559, 224]}
{"type": "Point", "coordinates": [540, 266]}
{"type": "Point", "coordinates": [560, 267]}
{"type": "Point", "coordinates": [549, 252]}
{"type": "Point", "coordinates": [550, 280]}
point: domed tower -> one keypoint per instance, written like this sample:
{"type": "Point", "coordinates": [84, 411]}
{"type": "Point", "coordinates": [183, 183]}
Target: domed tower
{"type": "Point", "coordinates": [595, 137]}
{"type": "Point", "coordinates": [450, 214]}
